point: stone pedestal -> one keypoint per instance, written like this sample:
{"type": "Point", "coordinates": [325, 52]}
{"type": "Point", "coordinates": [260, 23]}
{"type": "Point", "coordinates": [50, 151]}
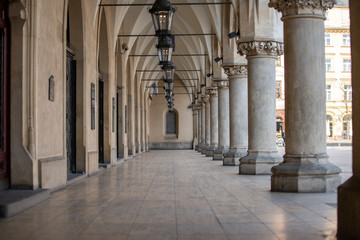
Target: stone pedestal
{"type": "Point", "coordinates": [305, 167]}
{"type": "Point", "coordinates": [262, 153]}
{"type": "Point", "coordinates": [349, 192]}
{"type": "Point", "coordinates": [238, 113]}
{"type": "Point", "coordinates": [223, 116]}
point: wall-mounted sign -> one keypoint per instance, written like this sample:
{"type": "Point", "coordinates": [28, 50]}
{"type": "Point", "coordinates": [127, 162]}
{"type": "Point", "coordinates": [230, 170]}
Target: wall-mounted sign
{"type": "Point", "coordinates": [92, 102]}
{"type": "Point", "coordinates": [51, 88]}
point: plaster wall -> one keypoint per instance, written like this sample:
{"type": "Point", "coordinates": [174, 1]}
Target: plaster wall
{"type": "Point", "coordinates": [158, 110]}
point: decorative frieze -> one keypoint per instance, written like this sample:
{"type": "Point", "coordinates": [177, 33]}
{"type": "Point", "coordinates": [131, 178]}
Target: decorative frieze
{"type": "Point", "coordinates": [234, 70]}
{"type": "Point", "coordinates": [301, 6]}
{"type": "Point", "coordinates": [254, 48]}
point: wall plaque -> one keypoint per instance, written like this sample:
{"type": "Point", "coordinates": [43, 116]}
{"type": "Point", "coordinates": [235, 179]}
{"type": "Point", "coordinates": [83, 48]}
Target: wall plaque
{"type": "Point", "coordinates": [51, 88]}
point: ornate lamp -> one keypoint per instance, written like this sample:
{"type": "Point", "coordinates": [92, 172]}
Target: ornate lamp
{"type": "Point", "coordinates": [165, 48]}
{"type": "Point", "coordinates": [169, 71]}
{"type": "Point", "coordinates": [162, 15]}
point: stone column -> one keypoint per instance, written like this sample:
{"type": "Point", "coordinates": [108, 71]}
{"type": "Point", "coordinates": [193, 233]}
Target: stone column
{"type": "Point", "coordinates": [305, 167]}
{"type": "Point", "coordinates": [206, 123]}
{"type": "Point", "coordinates": [203, 130]}
{"type": "Point", "coordinates": [262, 152]}
{"type": "Point", "coordinates": [349, 192]}
{"type": "Point", "coordinates": [199, 107]}
{"type": "Point", "coordinates": [238, 113]}
{"type": "Point", "coordinates": [195, 131]}
{"type": "Point", "coordinates": [214, 136]}
{"type": "Point", "coordinates": [224, 122]}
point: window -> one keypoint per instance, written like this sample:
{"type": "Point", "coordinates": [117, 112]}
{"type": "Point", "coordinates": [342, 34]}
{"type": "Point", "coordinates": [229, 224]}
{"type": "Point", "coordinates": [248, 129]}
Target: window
{"type": "Point", "coordinates": [347, 65]}
{"type": "Point", "coordinates": [346, 39]}
{"type": "Point", "coordinates": [345, 17]}
{"type": "Point", "coordinates": [327, 39]}
{"type": "Point", "coordinates": [171, 122]}
{"type": "Point", "coordinates": [328, 92]}
{"type": "Point", "coordinates": [328, 64]}
{"type": "Point", "coordinates": [347, 93]}
{"type": "Point", "coordinates": [278, 89]}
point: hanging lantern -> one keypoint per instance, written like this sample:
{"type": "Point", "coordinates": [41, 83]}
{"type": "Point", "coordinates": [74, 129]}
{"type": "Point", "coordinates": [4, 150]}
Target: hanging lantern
{"type": "Point", "coordinates": [162, 15]}
{"type": "Point", "coordinates": [165, 48]}
{"type": "Point", "coordinates": [169, 85]}
{"type": "Point", "coordinates": [169, 71]}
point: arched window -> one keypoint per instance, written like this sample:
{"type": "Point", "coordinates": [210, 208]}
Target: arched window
{"type": "Point", "coordinates": [171, 122]}
{"type": "Point", "coordinates": [329, 126]}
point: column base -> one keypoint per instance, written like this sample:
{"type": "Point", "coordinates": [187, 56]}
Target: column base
{"type": "Point", "coordinates": [199, 147]}
{"type": "Point", "coordinates": [305, 173]}
{"type": "Point", "coordinates": [349, 209]}
{"type": "Point", "coordinates": [196, 147]}
{"type": "Point", "coordinates": [259, 162]}
{"type": "Point", "coordinates": [219, 154]}
{"type": "Point", "coordinates": [204, 150]}
{"type": "Point", "coordinates": [232, 157]}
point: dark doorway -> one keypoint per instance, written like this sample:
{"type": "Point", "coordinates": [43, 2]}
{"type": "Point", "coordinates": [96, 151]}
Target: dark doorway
{"type": "Point", "coordinates": [71, 111]}
{"type": "Point", "coordinates": [4, 96]}
{"type": "Point", "coordinates": [101, 120]}
{"type": "Point", "coordinates": [117, 126]}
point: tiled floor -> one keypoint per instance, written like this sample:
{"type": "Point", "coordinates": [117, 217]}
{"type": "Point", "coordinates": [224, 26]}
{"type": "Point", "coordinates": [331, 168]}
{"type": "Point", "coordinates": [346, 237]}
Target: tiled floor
{"type": "Point", "coordinates": [178, 195]}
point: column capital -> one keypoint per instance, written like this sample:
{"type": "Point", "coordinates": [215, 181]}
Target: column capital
{"type": "Point", "coordinates": [212, 91]}
{"type": "Point", "coordinates": [235, 70]}
{"type": "Point", "coordinates": [294, 7]}
{"type": "Point", "coordinates": [197, 106]}
{"type": "Point", "coordinates": [261, 48]}
{"type": "Point", "coordinates": [221, 83]}
{"type": "Point", "coordinates": [205, 98]}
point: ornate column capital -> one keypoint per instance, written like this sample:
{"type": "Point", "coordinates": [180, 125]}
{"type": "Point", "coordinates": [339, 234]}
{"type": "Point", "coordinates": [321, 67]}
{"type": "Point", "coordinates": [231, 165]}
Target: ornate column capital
{"type": "Point", "coordinates": [221, 83]}
{"type": "Point", "coordinates": [255, 48]}
{"type": "Point", "coordinates": [235, 70]}
{"type": "Point", "coordinates": [205, 98]}
{"type": "Point", "coordinates": [212, 91]}
{"type": "Point", "coordinates": [293, 7]}
{"type": "Point", "coordinates": [197, 106]}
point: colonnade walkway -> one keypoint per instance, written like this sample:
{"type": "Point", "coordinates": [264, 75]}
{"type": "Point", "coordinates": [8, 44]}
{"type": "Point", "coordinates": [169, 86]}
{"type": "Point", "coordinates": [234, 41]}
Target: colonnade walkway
{"type": "Point", "coordinates": [177, 195]}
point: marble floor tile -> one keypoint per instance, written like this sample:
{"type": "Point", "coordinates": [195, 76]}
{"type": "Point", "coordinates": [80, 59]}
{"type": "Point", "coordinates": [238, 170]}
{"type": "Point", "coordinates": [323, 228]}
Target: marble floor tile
{"type": "Point", "coordinates": [177, 195]}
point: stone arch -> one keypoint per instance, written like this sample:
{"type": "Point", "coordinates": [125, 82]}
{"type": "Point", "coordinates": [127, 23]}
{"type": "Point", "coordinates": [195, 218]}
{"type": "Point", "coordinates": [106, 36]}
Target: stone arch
{"type": "Point", "coordinates": [74, 32]}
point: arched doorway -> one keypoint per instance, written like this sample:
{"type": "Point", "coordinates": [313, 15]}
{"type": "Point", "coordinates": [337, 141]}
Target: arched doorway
{"type": "Point", "coordinates": [4, 96]}
{"type": "Point", "coordinates": [75, 147]}
{"type": "Point", "coordinates": [103, 93]}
